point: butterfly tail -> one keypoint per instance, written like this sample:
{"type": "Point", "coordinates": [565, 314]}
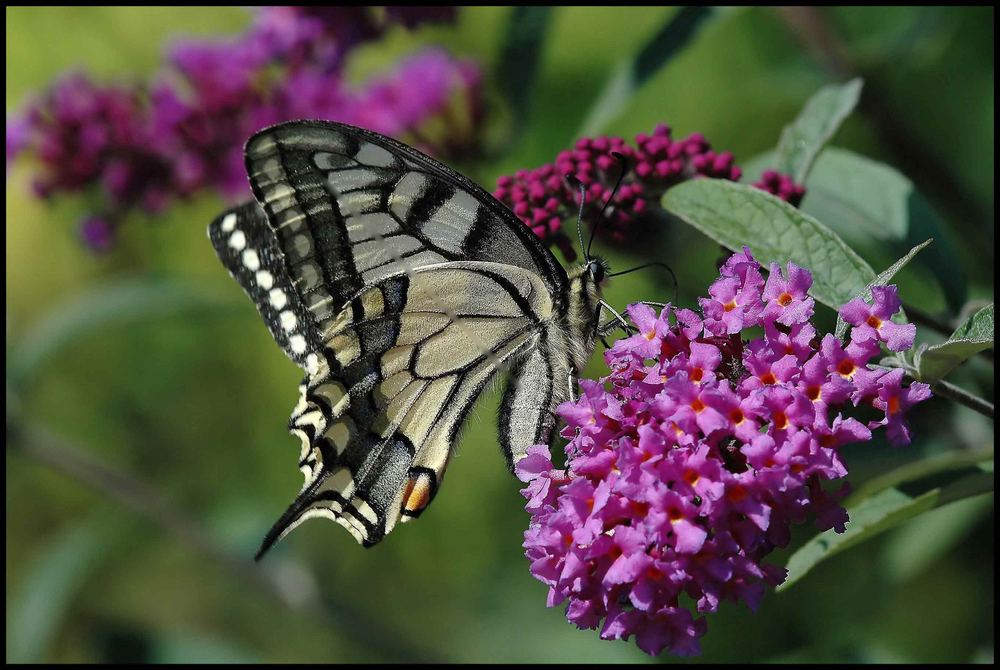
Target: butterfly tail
{"type": "Point", "coordinates": [293, 516]}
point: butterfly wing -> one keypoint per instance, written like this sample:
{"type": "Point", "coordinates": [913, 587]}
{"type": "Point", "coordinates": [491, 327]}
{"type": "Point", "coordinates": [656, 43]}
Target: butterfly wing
{"type": "Point", "coordinates": [406, 361]}
{"type": "Point", "coordinates": [350, 207]}
{"type": "Point", "coordinates": [401, 269]}
{"type": "Point", "coordinates": [247, 246]}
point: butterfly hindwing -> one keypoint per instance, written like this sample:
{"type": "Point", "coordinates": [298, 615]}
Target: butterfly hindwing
{"type": "Point", "coordinates": [247, 247]}
{"type": "Point", "coordinates": [407, 360]}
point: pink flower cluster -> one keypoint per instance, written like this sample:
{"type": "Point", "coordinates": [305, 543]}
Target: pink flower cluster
{"type": "Point", "coordinates": [543, 199]}
{"type": "Point", "coordinates": [782, 186]}
{"type": "Point", "coordinates": [141, 146]}
{"type": "Point", "coordinates": [690, 461]}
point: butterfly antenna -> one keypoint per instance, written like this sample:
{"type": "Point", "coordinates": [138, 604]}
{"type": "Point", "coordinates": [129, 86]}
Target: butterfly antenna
{"type": "Point", "coordinates": [649, 265]}
{"type": "Point", "coordinates": [624, 164]}
{"type": "Point", "coordinates": [572, 179]}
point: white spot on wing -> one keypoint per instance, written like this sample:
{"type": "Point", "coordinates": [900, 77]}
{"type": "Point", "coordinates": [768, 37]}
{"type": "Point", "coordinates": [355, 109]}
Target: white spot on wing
{"type": "Point", "coordinates": [312, 364]}
{"type": "Point", "coordinates": [288, 320]}
{"type": "Point", "coordinates": [238, 240]}
{"type": "Point", "coordinates": [278, 298]}
{"type": "Point", "coordinates": [229, 223]}
{"type": "Point", "coordinates": [251, 260]}
{"type": "Point", "coordinates": [297, 343]}
{"type": "Point", "coordinates": [265, 280]}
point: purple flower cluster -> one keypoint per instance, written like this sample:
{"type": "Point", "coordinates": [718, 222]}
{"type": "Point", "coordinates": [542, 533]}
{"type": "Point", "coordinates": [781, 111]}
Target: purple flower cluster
{"type": "Point", "coordinates": [542, 199]}
{"type": "Point", "coordinates": [782, 186]}
{"type": "Point", "coordinates": [691, 469]}
{"type": "Point", "coordinates": [141, 146]}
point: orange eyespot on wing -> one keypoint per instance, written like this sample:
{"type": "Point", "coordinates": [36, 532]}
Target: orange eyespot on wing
{"type": "Point", "coordinates": [418, 494]}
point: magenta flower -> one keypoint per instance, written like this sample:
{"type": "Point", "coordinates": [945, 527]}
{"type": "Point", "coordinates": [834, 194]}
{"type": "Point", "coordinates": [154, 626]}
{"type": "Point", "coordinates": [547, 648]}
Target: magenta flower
{"type": "Point", "coordinates": [735, 302]}
{"type": "Point", "coordinates": [145, 146]}
{"type": "Point", "coordinates": [782, 186]}
{"type": "Point", "coordinates": [97, 233]}
{"type": "Point", "coordinates": [787, 300]}
{"type": "Point", "coordinates": [691, 460]}
{"type": "Point", "coordinates": [895, 400]}
{"type": "Point", "coordinates": [543, 199]}
{"type": "Point", "coordinates": [875, 320]}
{"type": "Point", "coordinates": [850, 363]}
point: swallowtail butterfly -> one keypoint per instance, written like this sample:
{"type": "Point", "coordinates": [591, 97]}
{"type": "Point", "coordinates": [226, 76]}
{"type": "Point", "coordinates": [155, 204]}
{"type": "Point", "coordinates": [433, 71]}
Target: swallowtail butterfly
{"type": "Point", "coordinates": [402, 288]}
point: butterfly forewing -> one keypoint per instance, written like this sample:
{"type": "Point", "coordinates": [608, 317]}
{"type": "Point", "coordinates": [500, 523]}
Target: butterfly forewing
{"type": "Point", "coordinates": [351, 207]}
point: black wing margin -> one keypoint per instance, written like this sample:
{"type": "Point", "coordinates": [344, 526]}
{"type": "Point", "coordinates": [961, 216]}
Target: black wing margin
{"type": "Point", "coordinates": [247, 247]}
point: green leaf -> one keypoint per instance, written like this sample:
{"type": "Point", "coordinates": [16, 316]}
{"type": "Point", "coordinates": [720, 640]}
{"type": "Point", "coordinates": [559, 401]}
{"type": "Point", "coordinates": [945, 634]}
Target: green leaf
{"type": "Point", "coordinates": [735, 215]}
{"type": "Point", "coordinates": [894, 498]}
{"type": "Point", "coordinates": [59, 572]}
{"type": "Point", "coordinates": [933, 363]}
{"type": "Point", "coordinates": [101, 306]}
{"type": "Point", "coordinates": [860, 197]}
{"type": "Point", "coordinates": [859, 193]}
{"type": "Point", "coordinates": [517, 68]}
{"type": "Point", "coordinates": [881, 280]}
{"type": "Point", "coordinates": [186, 647]}
{"type": "Point", "coordinates": [804, 138]}
{"type": "Point", "coordinates": [631, 73]}
{"type": "Point", "coordinates": [915, 546]}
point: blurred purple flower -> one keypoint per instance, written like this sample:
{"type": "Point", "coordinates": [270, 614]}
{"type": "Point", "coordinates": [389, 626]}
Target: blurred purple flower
{"type": "Point", "coordinates": [97, 233]}
{"type": "Point", "coordinates": [680, 479]}
{"type": "Point", "coordinates": [144, 147]}
{"type": "Point", "coordinates": [782, 186]}
{"type": "Point", "coordinates": [542, 199]}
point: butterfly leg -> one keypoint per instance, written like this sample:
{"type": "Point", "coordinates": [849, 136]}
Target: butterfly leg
{"type": "Point", "coordinates": [616, 320]}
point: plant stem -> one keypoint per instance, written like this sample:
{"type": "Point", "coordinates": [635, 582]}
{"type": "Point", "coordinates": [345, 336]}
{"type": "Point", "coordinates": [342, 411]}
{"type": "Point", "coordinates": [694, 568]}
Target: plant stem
{"type": "Point", "coordinates": [922, 318]}
{"type": "Point", "coordinates": [963, 397]}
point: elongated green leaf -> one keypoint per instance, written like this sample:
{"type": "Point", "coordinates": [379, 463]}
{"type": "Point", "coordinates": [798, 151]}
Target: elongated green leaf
{"type": "Point", "coordinates": [918, 544]}
{"type": "Point", "coordinates": [882, 508]}
{"type": "Point", "coordinates": [859, 193]}
{"type": "Point", "coordinates": [803, 139]}
{"type": "Point", "coordinates": [631, 73]}
{"type": "Point", "coordinates": [973, 336]}
{"type": "Point", "coordinates": [884, 277]}
{"type": "Point", "coordinates": [41, 600]}
{"type": "Point", "coordinates": [174, 648]}
{"type": "Point", "coordinates": [517, 68]}
{"type": "Point", "coordinates": [103, 305]}
{"type": "Point", "coordinates": [925, 468]}
{"type": "Point", "coordinates": [736, 215]}
{"type": "Point", "coordinates": [857, 196]}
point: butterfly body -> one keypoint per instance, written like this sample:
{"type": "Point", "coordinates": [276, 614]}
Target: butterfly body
{"type": "Point", "coordinates": [402, 288]}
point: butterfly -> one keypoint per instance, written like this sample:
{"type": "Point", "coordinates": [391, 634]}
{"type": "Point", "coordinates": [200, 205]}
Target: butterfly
{"type": "Point", "coordinates": [402, 288]}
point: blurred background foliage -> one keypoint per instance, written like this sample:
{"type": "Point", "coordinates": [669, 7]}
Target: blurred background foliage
{"type": "Point", "coordinates": [150, 402]}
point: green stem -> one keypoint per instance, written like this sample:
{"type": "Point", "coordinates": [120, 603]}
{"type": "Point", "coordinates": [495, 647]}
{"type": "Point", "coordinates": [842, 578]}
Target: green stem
{"type": "Point", "coordinates": [963, 397]}
{"type": "Point", "coordinates": [922, 318]}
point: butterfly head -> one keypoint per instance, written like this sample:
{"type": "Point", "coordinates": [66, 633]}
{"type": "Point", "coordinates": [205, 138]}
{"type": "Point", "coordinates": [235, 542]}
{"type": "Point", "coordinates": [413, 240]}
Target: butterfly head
{"type": "Point", "coordinates": [596, 269]}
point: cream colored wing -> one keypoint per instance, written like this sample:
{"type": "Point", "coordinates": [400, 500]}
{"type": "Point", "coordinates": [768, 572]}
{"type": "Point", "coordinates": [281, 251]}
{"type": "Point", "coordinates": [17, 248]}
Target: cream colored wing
{"type": "Point", "coordinates": [405, 360]}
